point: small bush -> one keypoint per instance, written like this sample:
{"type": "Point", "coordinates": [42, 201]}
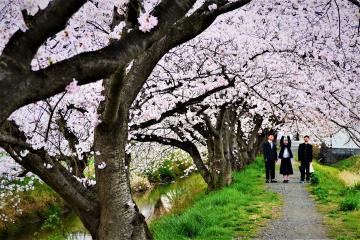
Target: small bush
{"type": "Point", "coordinates": [52, 218]}
{"type": "Point", "coordinates": [139, 183]}
{"type": "Point", "coordinates": [356, 186]}
{"type": "Point", "coordinates": [175, 165]}
{"type": "Point", "coordinates": [165, 172]}
{"type": "Point", "coordinates": [57, 237]}
{"type": "Point", "coordinates": [314, 179]}
{"type": "Point", "coordinates": [350, 203]}
{"type": "Point", "coordinates": [344, 238]}
{"type": "Point", "coordinates": [343, 192]}
{"type": "Point", "coordinates": [321, 193]}
{"type": "Point", "coordinates": [162, 174]}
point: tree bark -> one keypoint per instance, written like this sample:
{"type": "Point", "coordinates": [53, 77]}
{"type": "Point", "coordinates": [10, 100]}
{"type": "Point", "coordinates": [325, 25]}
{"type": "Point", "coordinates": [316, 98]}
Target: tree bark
{"type": "Point", "coordinates": [119, 216]}
{"type": "Point", "coordinates": [248, 146]}
{"type": "Point", "coordinates": [220, 167]}
{"type": "Point", "coordinates": [218, 145]}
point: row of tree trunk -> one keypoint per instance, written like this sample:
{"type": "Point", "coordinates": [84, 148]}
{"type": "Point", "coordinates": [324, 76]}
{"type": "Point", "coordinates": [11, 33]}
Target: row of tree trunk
{"type": "Point", "coordinates": [106, 209]}
{"type": "Point", "coordinates": [226, 145]}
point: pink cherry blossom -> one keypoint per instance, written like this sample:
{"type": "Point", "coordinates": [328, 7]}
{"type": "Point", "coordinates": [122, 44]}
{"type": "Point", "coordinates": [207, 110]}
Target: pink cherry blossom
{"type": "Point", "coordinates": [147, 22]}
{"type": "Point", "coordinates": [72, 87]}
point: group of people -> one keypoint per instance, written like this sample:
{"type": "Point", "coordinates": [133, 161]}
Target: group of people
{"type": "Point", "coordinates": [305, 153]}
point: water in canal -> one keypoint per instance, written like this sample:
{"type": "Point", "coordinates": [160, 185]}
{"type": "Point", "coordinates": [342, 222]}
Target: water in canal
{"type": "Point", "coordinates": [152, 204]}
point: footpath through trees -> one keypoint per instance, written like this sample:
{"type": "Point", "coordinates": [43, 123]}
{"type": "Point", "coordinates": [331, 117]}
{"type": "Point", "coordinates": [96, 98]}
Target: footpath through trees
{"type": "Point", "coordinates": [299, 218]}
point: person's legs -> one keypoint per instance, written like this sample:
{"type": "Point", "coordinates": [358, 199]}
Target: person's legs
{"type": "Point", "coordinates": [302, 172]}
{"type": "Point", "coordinates": [272, 170]}
{"type": "Point", "coordinates": [286, 163]}
{"type": "Point", "coordinates": [307, 171]}
{"type": "Point", "coordinates": [286, 178]}
{"type": "Point", "coordinates": [267, 170]}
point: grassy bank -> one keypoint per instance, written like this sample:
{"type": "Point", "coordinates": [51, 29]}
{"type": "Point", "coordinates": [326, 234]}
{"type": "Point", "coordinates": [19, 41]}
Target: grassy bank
{"type": "Point", "coordinates": [235, 211]}
{"type": "Point", "coordinates": [38, 209]}
{"type": "Point", "coordinates": [36, 203]}
{"type": "Point", "coordinates": [338, 197]}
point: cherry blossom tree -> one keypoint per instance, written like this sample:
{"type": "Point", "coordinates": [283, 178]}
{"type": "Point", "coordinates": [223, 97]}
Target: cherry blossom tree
{"type": "Point", "coordinates": [227, 122]}
{"type": "Point", "coordinates": [296, 97]}
{"type": "Point", "coordinates": [48, 49]}
{"type": "Point", "coordinates": [66, 43]}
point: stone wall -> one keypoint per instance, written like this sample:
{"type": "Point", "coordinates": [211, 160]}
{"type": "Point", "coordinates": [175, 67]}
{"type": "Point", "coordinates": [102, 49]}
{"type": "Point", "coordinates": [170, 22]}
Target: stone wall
{"type": "Point", "coordinates": [335, 154]}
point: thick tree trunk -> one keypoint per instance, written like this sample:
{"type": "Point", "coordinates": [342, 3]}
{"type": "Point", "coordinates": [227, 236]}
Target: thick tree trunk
{"type": "Point", "coordinates": [248, 146]}
{"type": "Point", "coordinates": [229, 139]}
{"type": "Point", "coordinates": [242, 159]}
{"type": "Point", "coordinates": [220, 167]}
{"type": "Point", "coordinates": [199, 163]}
{"type": "Point", "coordinates": [119, 216]}
{"type": "Point", "coordinates": [246, 157]}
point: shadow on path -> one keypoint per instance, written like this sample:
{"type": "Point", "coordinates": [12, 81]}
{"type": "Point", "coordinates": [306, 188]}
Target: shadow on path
{"type": "Point", "coordinates": [299, 217]}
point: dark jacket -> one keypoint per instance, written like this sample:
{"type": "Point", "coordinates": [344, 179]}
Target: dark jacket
{"type": "Point", "coordinates": [305, 152]}
{"type": "Point", "coordinates": [283, 146]}
{"type": "Point", "coordinates": [269, 153]}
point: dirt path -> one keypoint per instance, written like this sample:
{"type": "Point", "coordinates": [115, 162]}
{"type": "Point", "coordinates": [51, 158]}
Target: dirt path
{"type": "Point", "coordinates": [299, 219]}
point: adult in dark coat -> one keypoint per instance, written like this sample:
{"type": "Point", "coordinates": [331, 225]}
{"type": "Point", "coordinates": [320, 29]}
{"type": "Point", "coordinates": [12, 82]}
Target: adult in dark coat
{"type": "Point", "coordinates": [305, 157]}
{"type": "Point", "coordinates": [285, 155]}
{"type": "Point", "coordinates": [270, 157]}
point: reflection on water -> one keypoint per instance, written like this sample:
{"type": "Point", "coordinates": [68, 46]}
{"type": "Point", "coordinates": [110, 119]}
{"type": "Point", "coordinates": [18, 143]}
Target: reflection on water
{"type": "Point", "coordinates": [79, 236]}
{"type": "Point", "coordinates": [160, 206]}
{"type": "Point", "coordinates": [161, 199]}
{"type": "Point", "coordinates": [71, 229]}
{"type": "Point", "coordinates": [152, 204]}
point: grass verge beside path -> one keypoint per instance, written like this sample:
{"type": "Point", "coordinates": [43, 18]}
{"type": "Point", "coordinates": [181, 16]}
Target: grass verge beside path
{"type": "Point", "coordinates": [234, 211]}
{"type": "Point", "coordinates": [338, 201]}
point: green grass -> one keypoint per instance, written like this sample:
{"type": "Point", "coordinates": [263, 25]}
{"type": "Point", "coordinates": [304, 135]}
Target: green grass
{"type": "Point", "coordinates": [339, 203]}
{"type": "Point", "coordinates": [351, 164]}
{"type": "Point", "coordinates": [234, 211]}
